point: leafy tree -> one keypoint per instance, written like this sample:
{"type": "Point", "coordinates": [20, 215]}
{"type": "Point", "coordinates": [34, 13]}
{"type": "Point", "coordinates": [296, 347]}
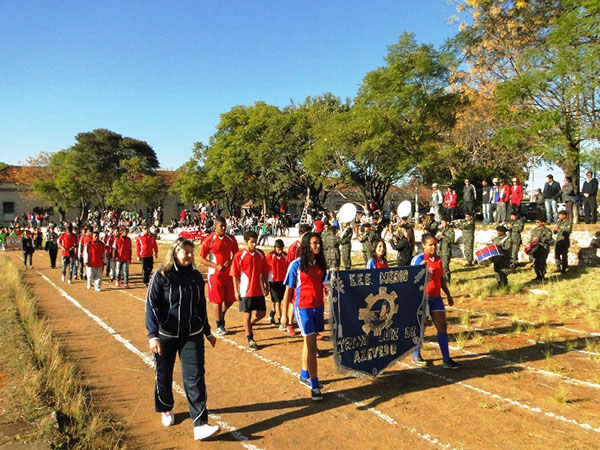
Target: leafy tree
{"type": "Point", "coordinates": [85, 173]}
{"type": "Point", "coordinates": [3, 165]}
{"type": "Point", "coordinates": [401, 113]}
{"type": "Point", "coordinates": [538, 58]}
{"type": "Point", "coordinates": [135, 186]}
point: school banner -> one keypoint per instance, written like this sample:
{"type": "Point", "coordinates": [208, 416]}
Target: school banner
{"type": "Point", "coordinates": [376, 316]}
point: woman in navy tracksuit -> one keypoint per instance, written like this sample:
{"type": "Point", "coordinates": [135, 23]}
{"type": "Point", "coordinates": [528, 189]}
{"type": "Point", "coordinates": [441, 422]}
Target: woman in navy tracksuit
{"type": "Point", "coordinates": [177, 323]}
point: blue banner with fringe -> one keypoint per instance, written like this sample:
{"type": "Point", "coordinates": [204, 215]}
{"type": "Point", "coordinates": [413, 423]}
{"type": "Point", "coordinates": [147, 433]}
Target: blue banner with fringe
{"type": "Point", "coordinates": [376, 316]}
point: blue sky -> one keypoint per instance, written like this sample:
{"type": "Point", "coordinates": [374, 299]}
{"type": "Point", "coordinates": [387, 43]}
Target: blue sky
{"type": "Point", "coordinates": [164, 71]}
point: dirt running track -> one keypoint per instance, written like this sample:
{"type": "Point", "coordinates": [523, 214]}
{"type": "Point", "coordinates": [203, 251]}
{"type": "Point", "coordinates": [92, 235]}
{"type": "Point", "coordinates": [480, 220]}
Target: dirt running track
{"type": "Point", "coordinates": [256, 397]}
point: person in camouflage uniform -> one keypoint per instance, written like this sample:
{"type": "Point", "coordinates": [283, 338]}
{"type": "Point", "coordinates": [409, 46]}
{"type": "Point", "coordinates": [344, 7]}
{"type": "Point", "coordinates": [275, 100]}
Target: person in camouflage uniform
{"type": "Point", "coordinates": [346, 246]}
{"type": "Point", "coordinates": [468, 237]}
{"type": "Point", "coordinates": [446, 238]}
{"type": "Point", "coordinates": [542, 235]}
{"type": "Point", "coordinates": [331, 247]}
{"type": "Point", "coordinates": [562, 229]}
{"type": "Point", "coordinates": [367, 237]}
{"type": "Point", "coordinates": [502, 266]}
{"type": "Point", "coordinates": [430, 226]}
{"type": "Point", "coordinates": [402, 243]}
{"type": "Point", "coordinates": [515, 226]}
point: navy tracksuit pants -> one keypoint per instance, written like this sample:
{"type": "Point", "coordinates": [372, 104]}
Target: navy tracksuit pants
{"type": "Point", "coordinates": [191, 355]}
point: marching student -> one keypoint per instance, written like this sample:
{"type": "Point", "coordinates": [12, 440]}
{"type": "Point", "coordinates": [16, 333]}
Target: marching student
{"type": "Point", "coordinates": [52, 245]}
{"type": "Point", "coordinates": [305, 277]}
{"type": "Point", "coordinates": [109, 244]}
{"type": "Point", "coordinates": [250, 272]}
{"type": "Point", "coordinates": [28, 248]}
{"type": "Point", "coordinates": [94, 257]}
{"type": "Point", "coordinates": [67, 242]}
{"type": "Point", "coordinates": [278, 265]}
{"type": "Point", "coordinates": [379, 258]}
{"type": "Point", "coordinates": [287, 305]}
{"type": "Point", "coordinates": [177, 322]}
{"type": "Point", "coordinates": [217, 253]}
{"type": "Point", "coordinates": [435, 283]}
{"type": "Point", "coordinates": [84, 239]}
{"type": "Point", "coordinates": [122, 254]}
{"type": "Point", "coordinates": [145, 246]}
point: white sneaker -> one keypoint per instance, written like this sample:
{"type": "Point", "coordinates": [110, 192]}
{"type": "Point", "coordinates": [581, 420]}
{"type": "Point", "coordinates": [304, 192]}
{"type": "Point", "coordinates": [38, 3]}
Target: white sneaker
{"type": "Point", "coordinates": [167, 418]}
{"type": "Point", "coordinates": [98, 289]}
{"type": "Point", "coordinates": [88, 287]}
{"type": "Point", "coordinates": [205, 431]}
{"type": "Point", "coordinates": [62, 278]}
{"type": "Point", "coordinates": [70, 282]}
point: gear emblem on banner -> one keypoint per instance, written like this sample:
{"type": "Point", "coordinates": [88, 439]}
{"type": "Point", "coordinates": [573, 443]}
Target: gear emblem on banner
{"type": "Point", "coordinates": [378, 320]}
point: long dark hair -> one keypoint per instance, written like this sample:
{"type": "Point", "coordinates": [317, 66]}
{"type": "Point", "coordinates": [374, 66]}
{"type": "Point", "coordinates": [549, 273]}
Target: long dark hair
{"type": "Point", "coordinates": [374, 251]}
{"type": "Point", "coordinates": [305, 253]}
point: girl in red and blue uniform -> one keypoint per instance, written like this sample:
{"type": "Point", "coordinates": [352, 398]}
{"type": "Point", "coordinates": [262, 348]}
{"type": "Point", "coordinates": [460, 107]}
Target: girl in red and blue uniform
{"type": "Point", "coordinates": [305, 277]}
{"type": "Point", "coordinates": [435, 283]}
{"type": "Point", "coordinates": [379, 258]}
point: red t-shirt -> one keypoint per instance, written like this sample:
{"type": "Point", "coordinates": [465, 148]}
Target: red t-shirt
{"type": "Point", "coordinates": [123, 249]}
{"type": "Point", "coordinates": [318, 226]}
{"type": "Point", "coordinates": [435, 271]}
{"type": "Point", "coordinates": [94, 254]}
{"type": "Point", "coordinates": [278, 265]}
{"type": "Point", "coordinates": [83, 241]}
{"type": "Point", "coordinates": [293, 251]}
{"type": "Point", "coordinates": [68, 241]}
{"type": "Point", "coordinates": [308, 287]}
{"type": "Point", "coordinates": [249, 268]}
{"type": "Point", "coordinates": [219, 250]}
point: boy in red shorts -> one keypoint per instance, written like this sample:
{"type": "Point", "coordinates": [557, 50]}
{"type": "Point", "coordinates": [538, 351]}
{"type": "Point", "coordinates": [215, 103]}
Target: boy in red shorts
{"type": "Point", "coordinates": [217, 253]}
{"type": "Point", "coordinates": [250, 272]}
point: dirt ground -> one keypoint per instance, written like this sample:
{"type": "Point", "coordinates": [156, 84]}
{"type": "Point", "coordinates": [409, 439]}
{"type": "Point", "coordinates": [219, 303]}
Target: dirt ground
{"type": "Point", "coordinates": [503, 396]}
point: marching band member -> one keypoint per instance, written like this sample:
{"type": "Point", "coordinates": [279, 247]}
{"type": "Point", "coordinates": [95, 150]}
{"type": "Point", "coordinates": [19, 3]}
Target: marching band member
{"type": "Point", "coordinates": [562, 229]}
{"type": "Point", "coordinates": [502, 266]}
{"type": "Point", "coordinates": [542, 235]}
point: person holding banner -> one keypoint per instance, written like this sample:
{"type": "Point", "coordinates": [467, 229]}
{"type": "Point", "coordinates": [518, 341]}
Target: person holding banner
{"type": "Point", "coordinates": [306, 276]}
{"type": "Point", "coordinates": [379, 258]}
{"type": "Point", "coordinates": [435, 283]}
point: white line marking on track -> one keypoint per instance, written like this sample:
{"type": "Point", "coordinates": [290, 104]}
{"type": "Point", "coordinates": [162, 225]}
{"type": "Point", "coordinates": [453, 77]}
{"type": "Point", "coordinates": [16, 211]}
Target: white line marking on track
{"type": "Point", "coordinates": [450, 380]}
{"type": "Point", "coordinates": [495, 358]}
{"type": "Point", "coordinates": [584, 425]}
{"type": "Point", "coordinates": [296, 375]}
{"type": "Point", "coordinates": [147, 360]}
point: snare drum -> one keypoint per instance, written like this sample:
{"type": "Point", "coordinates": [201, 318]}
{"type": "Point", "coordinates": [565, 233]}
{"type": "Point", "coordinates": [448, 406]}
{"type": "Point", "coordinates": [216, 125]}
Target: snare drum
{"type": "Point", "coordinates": [532, 248]}
{"type": "Point", "coordinates": [488, 254]}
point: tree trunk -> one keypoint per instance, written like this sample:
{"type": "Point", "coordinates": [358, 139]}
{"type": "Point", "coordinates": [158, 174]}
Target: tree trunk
{"type": "Point", "coordinates": [571, 167]}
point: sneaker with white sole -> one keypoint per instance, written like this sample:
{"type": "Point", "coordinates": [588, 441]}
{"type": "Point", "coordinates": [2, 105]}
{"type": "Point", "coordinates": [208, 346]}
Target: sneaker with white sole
{"type": "Point", "coordinates": [315, 394]}
{"type": "Point", "coordinates": [62, 278]}
{"type": "Point", "coordinates": [418, 361]}
{"type": "Point", "coordinates": [306, 382]}
{"type": "Point", "coordinates": [205, 431]}
{"type": "Point", "coordinates": [167, 418]}
{"type": "Point", "coordinates": [252, 345]}
{"type": "Point", "coordinates": [282, 328]}
{"type": "Point", "coordinates": [70, 282]}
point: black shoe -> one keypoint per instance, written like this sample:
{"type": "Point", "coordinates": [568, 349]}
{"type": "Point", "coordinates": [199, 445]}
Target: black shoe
{"type": "Point", "coordinates": [450, 364]}
{"type": "Point", "coordinates": [315, 394]}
